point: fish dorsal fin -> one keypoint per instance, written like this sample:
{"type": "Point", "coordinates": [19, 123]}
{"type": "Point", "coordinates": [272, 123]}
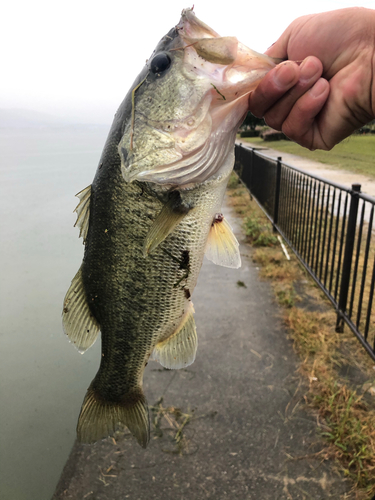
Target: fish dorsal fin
{"type": "Point", "coordinates": [168, 218]}
{"type": "Point", "coordinates": [79, 324]}
{"type": "Point", "coordinates": [179, 350]}
{"type": "Point", "coordinates": [83, 212]}
{"type": "Point", "coordinates": [222, 247]}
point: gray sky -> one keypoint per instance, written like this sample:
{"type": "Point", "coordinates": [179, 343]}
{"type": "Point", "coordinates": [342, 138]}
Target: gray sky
{"type": "Point", "coordinates": [78, 58]}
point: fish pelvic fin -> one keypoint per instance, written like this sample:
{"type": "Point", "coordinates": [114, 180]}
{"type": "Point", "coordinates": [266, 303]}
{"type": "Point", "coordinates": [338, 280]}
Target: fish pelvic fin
{"type": "Point", "coordinates": [179, 350]}
{"type": "Point", "coordinates": [222, 247]}
{"type": "Point", "coordinates": [100, 418]}
{"type": "Point", "coordinates": [79, 324]}
{"type": "Point", "coordinates": [83, 212]}
{"type": "Point", "coordinates": [168, 218]}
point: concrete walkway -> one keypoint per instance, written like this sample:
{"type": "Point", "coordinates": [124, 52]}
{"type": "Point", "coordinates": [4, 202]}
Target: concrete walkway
{"type": "Point", "coordinates": [250, 437]}
{"type": "Point", "coordinates": [329, 172]}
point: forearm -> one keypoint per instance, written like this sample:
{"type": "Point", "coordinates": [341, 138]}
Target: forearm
{"type": "Point", "coordinates": [372, 94]}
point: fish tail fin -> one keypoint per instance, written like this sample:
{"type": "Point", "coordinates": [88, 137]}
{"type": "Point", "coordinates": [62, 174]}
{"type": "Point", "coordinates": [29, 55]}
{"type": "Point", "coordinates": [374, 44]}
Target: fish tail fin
{"type": "Point", "coordinates": [100, 418]}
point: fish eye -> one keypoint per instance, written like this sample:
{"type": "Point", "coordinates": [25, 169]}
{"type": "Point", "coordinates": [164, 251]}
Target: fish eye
{"type": "Point", "coordinates": [160, 63]}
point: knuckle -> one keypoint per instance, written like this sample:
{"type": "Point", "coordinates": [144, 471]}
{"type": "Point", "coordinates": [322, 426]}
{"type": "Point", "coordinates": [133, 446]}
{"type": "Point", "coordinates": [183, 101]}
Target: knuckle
{"type": "Point", "coordinates": [255, 107]}
{"type": "Point", "coordinates": [292, 132]}
{"type": "Point", "coordinates": [256, 113]}
{"type": "Point", "coordinates": [273, 122]}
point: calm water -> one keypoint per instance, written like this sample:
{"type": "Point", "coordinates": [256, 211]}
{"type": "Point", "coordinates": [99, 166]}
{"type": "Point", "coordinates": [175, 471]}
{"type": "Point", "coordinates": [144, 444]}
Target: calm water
{"type": "Point", "coordinates": [43, 378]}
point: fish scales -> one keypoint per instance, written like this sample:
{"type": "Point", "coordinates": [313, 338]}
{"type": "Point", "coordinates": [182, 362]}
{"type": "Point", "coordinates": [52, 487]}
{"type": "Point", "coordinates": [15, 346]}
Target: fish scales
{"type": "Point", "coordinates": [145, 288]}
{"type": "Point", "coordinates": [151, 213]}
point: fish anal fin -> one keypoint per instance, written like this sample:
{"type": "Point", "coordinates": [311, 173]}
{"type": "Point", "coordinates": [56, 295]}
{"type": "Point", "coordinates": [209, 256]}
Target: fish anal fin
{"type": "Point", "coordinates": [100, 418]}
{"type": "Point", "coordinates": [83, 212]}
{"type": "Point", "coordinates": [79, 324]}
{"type": "Point", "coordinates": [222, 247]}
{"type": "Point", "coordinates": [179, 350]}
{"type": "Point", "coordinates": [168, 218]}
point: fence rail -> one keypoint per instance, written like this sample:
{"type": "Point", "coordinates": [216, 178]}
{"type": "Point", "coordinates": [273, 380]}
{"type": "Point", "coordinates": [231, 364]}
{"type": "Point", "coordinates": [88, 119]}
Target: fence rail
{"type": "Point", "coordinates": [329, 227]}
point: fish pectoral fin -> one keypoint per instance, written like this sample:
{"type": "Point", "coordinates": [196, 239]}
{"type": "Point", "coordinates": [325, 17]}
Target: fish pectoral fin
{"type": "Point", "coordinates": [100, 418]}
{"type": "Point", "coordinates": [179, 350]}
{"type": "Point", "coordinates": [78, 322]}
{"type": "Point", "coordinates": [168, 218]}
{"type": "Point", "coordinates": [83, 212]}
{"type": "Point", "coordinates": [222, 247]}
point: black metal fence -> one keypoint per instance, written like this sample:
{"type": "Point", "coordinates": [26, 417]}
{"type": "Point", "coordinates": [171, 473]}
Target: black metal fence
{"type": "Point", "coordinates": [330, 229]}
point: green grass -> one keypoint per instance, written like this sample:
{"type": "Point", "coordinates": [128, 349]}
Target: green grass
{"type": "Point", "coordinates": [343, 411]}
{"type": "Point", "coordinates": [259, 235]}
{"type": "Point", "coordinates": [356, 154]}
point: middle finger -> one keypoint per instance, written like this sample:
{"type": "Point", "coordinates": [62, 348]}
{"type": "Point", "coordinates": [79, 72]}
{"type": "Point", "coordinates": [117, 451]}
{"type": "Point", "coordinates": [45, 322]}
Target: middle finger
{"type": "Point", "coordinates": [310, 71]}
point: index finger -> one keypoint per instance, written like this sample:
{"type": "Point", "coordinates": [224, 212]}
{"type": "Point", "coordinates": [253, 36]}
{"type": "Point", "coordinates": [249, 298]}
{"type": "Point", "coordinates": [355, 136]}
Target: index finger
{"type": "Point", "coordinates": [273, 86]}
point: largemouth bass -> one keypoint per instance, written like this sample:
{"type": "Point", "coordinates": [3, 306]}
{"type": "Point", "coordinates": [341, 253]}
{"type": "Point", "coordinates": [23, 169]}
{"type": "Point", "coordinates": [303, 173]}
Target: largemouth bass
{"type": "Point", "coordinates": [150, 215]}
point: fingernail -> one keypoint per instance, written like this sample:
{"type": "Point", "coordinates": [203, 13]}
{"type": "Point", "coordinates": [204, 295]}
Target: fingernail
{"type": "Point", "coordinates": [309, 68]}
{"type": "Point", "coordinates": [319, 88]}
{"type": "Point", "coordinates": [284, 75]}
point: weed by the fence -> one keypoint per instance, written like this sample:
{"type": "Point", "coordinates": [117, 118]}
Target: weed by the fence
{"type": "Point", "coordinates": [286, 295]}
{"type": "Point", "coordinates": [258, 233]}
{"type": "Point", "coordinates": [233, 182]}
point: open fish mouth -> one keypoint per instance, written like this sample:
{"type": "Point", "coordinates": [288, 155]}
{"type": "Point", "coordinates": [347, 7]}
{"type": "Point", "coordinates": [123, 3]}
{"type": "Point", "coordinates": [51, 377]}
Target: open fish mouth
{"type": "Point", "coordinates": [240, 66]}
{"type": "Point", "coordinates": [194, 27]}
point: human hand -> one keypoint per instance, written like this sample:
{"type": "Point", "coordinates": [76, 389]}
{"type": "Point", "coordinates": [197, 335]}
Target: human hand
{"type": "Point", "coordinates": [332, 93]}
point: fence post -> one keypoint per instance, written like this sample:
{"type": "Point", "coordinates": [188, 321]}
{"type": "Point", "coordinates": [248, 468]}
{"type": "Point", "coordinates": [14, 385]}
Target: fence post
{"type": "Point", "coordinates": [250, 185]}
{"type": "Point", "coordinates": [238, 166]}
{"type": "Point", "coordinates": [277, 193]}
{"type": "Point", "coordinates": [348, 256]}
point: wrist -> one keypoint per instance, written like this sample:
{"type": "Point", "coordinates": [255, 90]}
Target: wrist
{"type": "Point", "coordinates": [364, 68]}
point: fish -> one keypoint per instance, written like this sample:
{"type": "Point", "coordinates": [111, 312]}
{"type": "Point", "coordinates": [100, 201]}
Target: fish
{"type": "Point", "coordinates": [150, 215]}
